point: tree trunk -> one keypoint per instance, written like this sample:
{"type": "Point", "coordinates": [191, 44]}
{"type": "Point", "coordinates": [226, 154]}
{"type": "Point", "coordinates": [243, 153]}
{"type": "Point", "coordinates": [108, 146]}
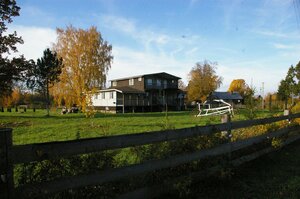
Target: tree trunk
{"type": "Point", "coordinates": [47, 100]}
{"type": "Point", "coordinates": [285, 103]}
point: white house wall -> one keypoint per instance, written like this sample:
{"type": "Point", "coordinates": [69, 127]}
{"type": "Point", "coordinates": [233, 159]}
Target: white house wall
{"type": "Point", "coordinates": [98, 100]}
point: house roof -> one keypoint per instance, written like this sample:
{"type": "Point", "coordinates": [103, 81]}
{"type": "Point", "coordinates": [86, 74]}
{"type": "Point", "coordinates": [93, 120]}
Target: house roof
{"type": "Point", "coordinates": [227, 95]}
{"type": "Point", "coordinates": [161, 74]}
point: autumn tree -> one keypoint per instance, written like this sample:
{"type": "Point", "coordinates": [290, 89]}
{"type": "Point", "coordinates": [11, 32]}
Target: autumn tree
{"type": "Point", "coordinates": [297, 75]}
{"type": "Point", "coordinates": [288, 86]}
{"type": "Point", "coordinates": [271, 100]}
{"type": "Point", "coordinates": [181, 85]}
{"type": "Point", "coordinates": [240, 86]}
{"type": "Point", "coordinates": [86, 58]}
{"type": "Point", "coordinates": [45, 74]}
{"type": "Point", "coordinates": [202, 81]}
{"type": "Point", "coordinates": [11, 100]}
{"type": "Point", "coordinates": [11, 70]}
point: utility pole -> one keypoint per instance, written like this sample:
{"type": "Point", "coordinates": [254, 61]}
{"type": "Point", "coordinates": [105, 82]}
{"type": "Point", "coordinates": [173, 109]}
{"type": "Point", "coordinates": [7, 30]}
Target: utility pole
{"type": "Point", "coordinates": [262, 96]}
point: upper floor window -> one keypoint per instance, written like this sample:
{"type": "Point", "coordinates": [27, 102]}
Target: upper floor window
{"type": "Point", "coordinates": [149, 82]}
{"type": "Point", "coordinates": [173, 81]}
{"type": "Point", "coordinates": [158, 82]}
{"type": "Point", "coordinates": [140, 79]}
{"type": "Point", "coordinates": [131, 82]}
{"type": "Point", "coordinates": [165, 83]}
{"type": "Point", "coordinates": [114, 83]}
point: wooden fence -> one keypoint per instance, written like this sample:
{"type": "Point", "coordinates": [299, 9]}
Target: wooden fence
{"type": "Point", "coordinates": [11, 155]}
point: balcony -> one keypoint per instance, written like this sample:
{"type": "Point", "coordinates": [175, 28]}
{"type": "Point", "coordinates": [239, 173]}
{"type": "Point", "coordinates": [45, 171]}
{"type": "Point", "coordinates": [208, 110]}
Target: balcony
{"type": "Point", "coordinates": [162, 86]}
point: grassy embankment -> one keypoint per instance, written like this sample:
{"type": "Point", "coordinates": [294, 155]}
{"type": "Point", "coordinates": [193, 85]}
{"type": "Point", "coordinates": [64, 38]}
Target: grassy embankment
{"type": "Point", "coordinates": [35, 127]}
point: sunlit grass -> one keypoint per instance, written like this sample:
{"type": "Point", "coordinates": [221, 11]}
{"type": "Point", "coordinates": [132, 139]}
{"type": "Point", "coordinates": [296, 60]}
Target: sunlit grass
{"type": "Point", "coordinates": [35, 127]}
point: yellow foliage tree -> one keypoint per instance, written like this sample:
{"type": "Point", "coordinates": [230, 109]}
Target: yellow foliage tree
{"type": "Point", "coordinates": [12, 99]}
{"type": "Point", "coordinates": [16, 96]}
{"type": "Point", "coordinates": [239, 85]}
{"type": "Point", "coordinates": [86, 59]}
{"type": "Point", "coordinates": [202, 81]}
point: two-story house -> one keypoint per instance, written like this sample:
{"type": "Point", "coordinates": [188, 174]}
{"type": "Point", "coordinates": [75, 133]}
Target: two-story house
{"type": "Point", "coordinates": [148, 92]}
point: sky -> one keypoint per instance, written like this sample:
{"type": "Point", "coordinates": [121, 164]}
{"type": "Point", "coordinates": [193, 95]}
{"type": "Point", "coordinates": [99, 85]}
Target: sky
{"type": "Point", "coordinates": [255, 40]}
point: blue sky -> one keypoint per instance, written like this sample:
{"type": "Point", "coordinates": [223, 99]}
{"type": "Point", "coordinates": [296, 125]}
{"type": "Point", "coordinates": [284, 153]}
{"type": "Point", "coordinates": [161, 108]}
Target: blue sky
{"type": "Point", "coordinates": [256, 40]}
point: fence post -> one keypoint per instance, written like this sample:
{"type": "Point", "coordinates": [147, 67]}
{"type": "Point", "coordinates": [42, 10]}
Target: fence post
{"type": "Point", "coordinates": [226, 119]}
{"type": "Point", "coordinates": [6, 167]}
{"type": "Point", "coordinates": [286, 112]}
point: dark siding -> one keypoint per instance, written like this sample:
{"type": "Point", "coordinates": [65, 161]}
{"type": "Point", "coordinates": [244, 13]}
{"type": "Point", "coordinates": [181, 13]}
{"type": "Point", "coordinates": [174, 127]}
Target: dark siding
{"type": "Point", "coordinates": [139, 85]}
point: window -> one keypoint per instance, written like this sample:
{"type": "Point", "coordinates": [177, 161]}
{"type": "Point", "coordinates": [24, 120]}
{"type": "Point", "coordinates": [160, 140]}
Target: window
{"type": "Point", "coordinates": [158, 82]}
{"type": "Point", "coordinates": [114, 83]}
{"type": "Point", "coordinates": [96, 96]}
{"type": "Point", "coordinates": [149, 82]}
{"type": "Point", "coordinates": [111, 95]}
{"type": "Point", "coordinates": [103, 95]}
{"type": "Point", "coordinates": [140, 79]}
{"type": "Point", "coordinates": [165, 83]}
{"type": "Point", "coordinates": [173, 81]}
{"type": "Point", "coordinates": [131, 82]}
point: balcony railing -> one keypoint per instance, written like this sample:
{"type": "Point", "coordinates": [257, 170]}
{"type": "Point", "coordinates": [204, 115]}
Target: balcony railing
{"type": "Point", "coordinates": [146, 102]}
{"type": "Point", "coordinates": [162, 86]}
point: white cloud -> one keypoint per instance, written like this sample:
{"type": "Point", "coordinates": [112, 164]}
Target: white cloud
{"type": "Point", "coordinates": [119, 23]}
{"type": "Point", "coordinates": [36, 40]}
{"type": "Point", "coordinates": [283, 46]}
{"type": "Point", "coordinates": [150, 38]}
{"type": "Point", "coordinates": [271, 33]}
{"type": "Point", "coordinates": [130, 62]}
{"type": "Point", "coordinates": [254, 72]}
{"type": "Point", "coordinates": [192, 51]}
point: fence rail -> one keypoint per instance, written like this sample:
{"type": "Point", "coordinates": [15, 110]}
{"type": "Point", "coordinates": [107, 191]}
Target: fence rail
{"type": "Point", "coordinates": [10, 154]}
{"type": "Point", "coordinates": [51, 150]}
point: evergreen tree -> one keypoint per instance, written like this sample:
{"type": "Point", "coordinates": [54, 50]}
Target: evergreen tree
{"type": "Point", "coordinates": [45, 74]}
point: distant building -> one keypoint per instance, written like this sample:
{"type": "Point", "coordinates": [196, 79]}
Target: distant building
{"type": "Point", "coordinates": [230, 97]}
{"type": "Point", "coordinates": [148, 92]}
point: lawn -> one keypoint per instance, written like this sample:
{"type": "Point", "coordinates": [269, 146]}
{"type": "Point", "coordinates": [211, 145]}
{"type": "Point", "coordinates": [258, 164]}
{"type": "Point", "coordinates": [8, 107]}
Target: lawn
{"type": "Point", "coordinates": [35, 127]}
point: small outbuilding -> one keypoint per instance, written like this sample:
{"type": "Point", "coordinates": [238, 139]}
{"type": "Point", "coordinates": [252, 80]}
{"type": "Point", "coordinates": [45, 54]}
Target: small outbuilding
{"type": "Point", "coordinates": [229, 97]}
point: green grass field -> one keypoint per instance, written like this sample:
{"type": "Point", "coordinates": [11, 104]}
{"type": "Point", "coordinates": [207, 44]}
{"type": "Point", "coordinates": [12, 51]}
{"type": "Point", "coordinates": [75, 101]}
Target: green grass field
{"type": "Point", "coordinates": [35, 127]}
{"type": "Point", "coordinates": [273, 176]}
